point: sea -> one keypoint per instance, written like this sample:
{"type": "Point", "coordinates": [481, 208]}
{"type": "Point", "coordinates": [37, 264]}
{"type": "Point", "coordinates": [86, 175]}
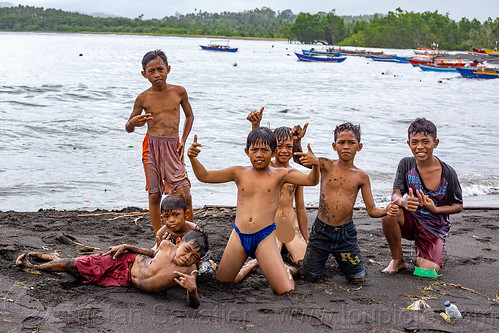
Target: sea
{"type": "Point", "coordinates": [65, 98]}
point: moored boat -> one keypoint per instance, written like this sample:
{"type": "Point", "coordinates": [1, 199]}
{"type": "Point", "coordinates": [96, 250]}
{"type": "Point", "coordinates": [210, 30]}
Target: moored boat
{"type": "Point", "coordinates": [219, 46]}
{"type": "Point", "coordinates": [491, 53]}
{"type": "Point", "coordinates": [329, 52]}
{"type": "Point", "coordinates": [433, 68]}
{"type": "Point", "coordinates": [478, 73]}
{"type": "Point", "coordinates": [309, 58]}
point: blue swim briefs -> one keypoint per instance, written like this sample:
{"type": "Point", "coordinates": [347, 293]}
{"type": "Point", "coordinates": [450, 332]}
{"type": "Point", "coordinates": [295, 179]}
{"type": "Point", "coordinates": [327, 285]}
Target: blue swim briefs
{"type": "Point", "coordinates": [250, 241]}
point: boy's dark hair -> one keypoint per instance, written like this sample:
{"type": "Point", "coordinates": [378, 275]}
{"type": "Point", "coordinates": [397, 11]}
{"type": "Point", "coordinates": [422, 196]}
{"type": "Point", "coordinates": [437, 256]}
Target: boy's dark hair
{"type": "Point", "coordinates": [200, 240]}
{"type": "Point", "coordinates": [355, 129]}
{"type": "Point", "coordinates": [151, 55]}
{"type": "Point", "coordinates": [173, 201]}
{"type": "Point", "coordinates": [422, 125]}
{"type": "Point", "coordinates": [283, 133]}
{"type": "Point", "coordinates": [263, 135]}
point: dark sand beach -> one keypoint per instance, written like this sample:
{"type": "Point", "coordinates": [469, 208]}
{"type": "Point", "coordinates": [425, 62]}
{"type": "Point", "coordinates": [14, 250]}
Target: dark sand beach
{"type": "Point", "coordinates": [57, 302]}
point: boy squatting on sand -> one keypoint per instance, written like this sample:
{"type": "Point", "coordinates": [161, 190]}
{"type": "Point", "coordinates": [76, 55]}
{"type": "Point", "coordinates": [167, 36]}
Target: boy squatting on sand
{"type": "Point", "coordinates": [173, 211]}
{"type": "Point", "coordinates": [258, 189]}
{"type": "Point", "coordinates": [149, 270]}
{"type": "Point", "coordinates": [162, 153]}
{"type": "Point", "coordinates": [291, 226]}
{"type": "Point", "coordinates": [427, 190]}
{"type": "Point", "coordinates": [333, 230]}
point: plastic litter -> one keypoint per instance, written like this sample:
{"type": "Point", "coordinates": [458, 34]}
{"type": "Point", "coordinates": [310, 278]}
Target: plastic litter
{"type": "Point", "coordinates": [425, 272]}
{"type": "Point", "coordinates": [451, 310]}
{"type": "Point", "coordinates": [446, 317]}
{"type": "Point", "coordinates": [418, 305]}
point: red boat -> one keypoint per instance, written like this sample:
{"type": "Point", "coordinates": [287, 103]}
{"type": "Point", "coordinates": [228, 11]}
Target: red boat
{"type": "Point", "coordinates": [454, 63]}
{"type": "Point", "coordinates": [481, 51]}
{"type": "Point", "coordinates": [418, 61]}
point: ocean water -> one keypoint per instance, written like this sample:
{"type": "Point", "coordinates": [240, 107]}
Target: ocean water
{"type": "Point", "coordinates": [64, 100]}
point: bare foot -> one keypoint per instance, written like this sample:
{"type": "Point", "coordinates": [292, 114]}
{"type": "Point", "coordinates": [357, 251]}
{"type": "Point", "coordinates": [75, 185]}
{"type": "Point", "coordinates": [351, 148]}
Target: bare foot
{"type": "Point", "coordinates": [22, 261]}
{"type": "Point", "coordinates": [394, 266]}
{"type": "Point", "coordinates": [43, 256]}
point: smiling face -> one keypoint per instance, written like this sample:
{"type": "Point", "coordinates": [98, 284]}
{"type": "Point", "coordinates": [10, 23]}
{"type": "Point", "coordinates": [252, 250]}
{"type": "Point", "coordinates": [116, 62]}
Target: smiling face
{"type": "Point", "coordinates": [422, 145]}
{"type": "Point", "coordinates": [156, 71]}
{"type": "Point", "coordinates": [187, 254]}
{"type": "Point", "coordinates": [174, 219]}
{"type": "Point", "coordinates": [259, 154]}
{"type": "Point", "coordinates": [284, 151]}
{"type": "Point", "coordinates": [346, 145]}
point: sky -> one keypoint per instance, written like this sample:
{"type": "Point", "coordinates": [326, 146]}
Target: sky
{"type": "Point", "coordinates": [479, 9]}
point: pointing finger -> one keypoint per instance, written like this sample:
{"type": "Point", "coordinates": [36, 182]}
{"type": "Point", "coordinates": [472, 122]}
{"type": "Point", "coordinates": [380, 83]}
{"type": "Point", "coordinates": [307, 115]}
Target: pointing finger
{"type": "Point", "coordinates": [309, 149]}
{"type": "Point", "coordinates": [261, 110]}
{"type": "Point", "coordinates": [410, 193]}
{"type": "Point", "coordinates": [195, 138]}
{"type": "Point", "coordinates": [305, 128]}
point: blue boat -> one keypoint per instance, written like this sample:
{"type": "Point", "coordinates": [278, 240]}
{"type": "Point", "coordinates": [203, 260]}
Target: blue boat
{"type": "Point", "coordinates": [402, 60]}
{"type": "Point", "coordinates": [478, 73]}
{"type": "Point", "coordinates": [390, 58]}
{"type": "Point", "coordinates": [434, 68]}
{"type": "Point", "coordinates": [303, 57]}
{"type": "Point", "coordinates": [221, 46]}
{"type": "Point", "coordinates": [313, 52]}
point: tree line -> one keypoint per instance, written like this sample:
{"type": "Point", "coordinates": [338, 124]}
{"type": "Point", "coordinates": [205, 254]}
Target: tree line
{"type": "Point", "coordinates": [398, 29]}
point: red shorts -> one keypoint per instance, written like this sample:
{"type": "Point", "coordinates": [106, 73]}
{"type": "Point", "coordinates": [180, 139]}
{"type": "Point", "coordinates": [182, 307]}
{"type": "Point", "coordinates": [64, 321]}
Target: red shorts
{"type": "Point", "coordinates": [106, 271]}
{"type": "Point", "coordinates": [162, 165]}
{"type": "Point", "coordinates": [428, 246]}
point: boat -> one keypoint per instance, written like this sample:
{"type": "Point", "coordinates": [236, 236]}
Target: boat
{"type": "Point", "coordinates": [479, 51]}
{"type": "Point", "coordinates": [491, 53]}
{"type": "Point", "coordinates": [433, 68]}
{"type": "Point", "coordinates": [314, 52]}
{"type": "Point", "coordinates": [386, 58]}
{"type": "Point", "coordinates": [402, 60]}
{"type": "Point", "coordinates": [475, 73]}
{"type": "Point", "coordinates": [219, 46]}
{"type": "Point", "coordinates": [390, 58]}
{"type": "Point", "coordinates": [309, 58]}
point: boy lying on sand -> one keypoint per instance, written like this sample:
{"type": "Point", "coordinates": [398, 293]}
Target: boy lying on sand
{"type": "Point", "coordinates": [149, 270]}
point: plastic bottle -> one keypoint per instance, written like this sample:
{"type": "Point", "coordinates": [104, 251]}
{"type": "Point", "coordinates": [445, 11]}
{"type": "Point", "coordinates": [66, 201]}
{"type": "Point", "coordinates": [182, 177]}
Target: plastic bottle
{"type": "Point", "coordinates": [451, 310]}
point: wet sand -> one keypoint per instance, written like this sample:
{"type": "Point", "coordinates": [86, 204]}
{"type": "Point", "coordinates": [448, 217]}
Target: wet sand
{"type": "Point", "coordinates": [57, 302]}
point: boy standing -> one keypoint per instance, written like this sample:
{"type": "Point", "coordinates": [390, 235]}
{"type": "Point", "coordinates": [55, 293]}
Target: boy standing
{"type": "Point", "coordinates": [149, 270]}
{"type": "Point", "coordinates": [333, 230]}
{"type": "Point", "coordinates": [258, 189]}
{"type": "Point", "coordinates": [427, 190]}
{"type": "Point", "coordinates": [162, 152]}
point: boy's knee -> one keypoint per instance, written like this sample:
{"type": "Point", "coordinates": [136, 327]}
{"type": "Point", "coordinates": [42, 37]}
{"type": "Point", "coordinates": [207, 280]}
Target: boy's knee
{"type": "Point", "coordinates": [155, 198]}
{"type": "Point", "coordinates": [281, 289]}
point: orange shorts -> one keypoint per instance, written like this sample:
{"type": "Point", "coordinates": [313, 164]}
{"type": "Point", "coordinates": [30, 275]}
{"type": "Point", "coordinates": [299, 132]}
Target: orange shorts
{"type": "Point", "coordinates": [165, 172]}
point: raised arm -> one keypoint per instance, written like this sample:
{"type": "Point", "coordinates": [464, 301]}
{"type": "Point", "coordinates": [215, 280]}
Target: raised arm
{"type": "Point", "coordinates": [298, 133]}
{"type": "Point", "coordinates": [301, 212]}
{"type": "Point", "coordinates": [255, 117]}
{"type": "Point", "coordinates": [189, 119]}
{"type": "Point", "coordinates": [203, 175]}
{"type": "Point", "coordinates": [373, 211]}
{"type": "Point", "coordinates": [136, 119]}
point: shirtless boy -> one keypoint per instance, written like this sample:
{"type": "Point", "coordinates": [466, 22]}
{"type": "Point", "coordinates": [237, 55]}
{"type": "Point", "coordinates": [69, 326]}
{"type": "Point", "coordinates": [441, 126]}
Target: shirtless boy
{"type": "Point", "coordinates": [173, 211]}
{"type": "Point", "coordinates": [291, 224]}
{"type": "Point", "coordinates": [162, 152]}
{"type": "Point", "coordinates": [427, 190]}
{"type": "Point", "coordinates": [149, 270]}
{"type": "Point", "coordinates": [258, 189]}
{"type": "Point", "coordinates": [333, 230]}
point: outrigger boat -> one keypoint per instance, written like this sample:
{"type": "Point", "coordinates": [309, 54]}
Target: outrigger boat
{"type": "Point", "coordinates": [478, 73]}
{"type": "Point", "coordinates": [218, 46]}
{"type": "Point", "coordinates": [309, 58]}
{"type": "Point", "coordinates": [328, 52]}
{"type": "Point", "coordinates": [433, 68]}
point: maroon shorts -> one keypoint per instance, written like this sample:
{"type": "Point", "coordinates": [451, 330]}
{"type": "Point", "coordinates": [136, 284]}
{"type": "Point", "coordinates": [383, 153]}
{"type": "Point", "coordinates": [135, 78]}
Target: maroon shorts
{"type": "Point", "coordinates": [106, 271]}
{"type": "Point", "coordinates": [428, 246]}
{"type": "Point", "coordinates": [165, 171]}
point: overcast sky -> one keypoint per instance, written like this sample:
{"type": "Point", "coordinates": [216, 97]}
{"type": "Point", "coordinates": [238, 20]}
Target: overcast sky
{"type": "Point", "coordinates": [480, 9]}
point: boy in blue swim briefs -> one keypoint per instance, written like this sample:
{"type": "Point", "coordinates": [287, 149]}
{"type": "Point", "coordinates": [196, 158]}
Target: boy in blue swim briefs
{"type": "Point", "coordinates": [162, 149]}
{"type": "Point", "coordinates": [258, 191]}
{"type": "Point", "coordinates": [333, 231]}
